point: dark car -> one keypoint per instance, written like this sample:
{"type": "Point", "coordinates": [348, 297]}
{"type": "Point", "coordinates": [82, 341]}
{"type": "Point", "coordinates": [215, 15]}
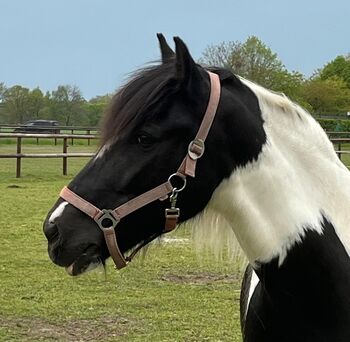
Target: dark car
{"type": "Point", "coordinates": [39, 126]}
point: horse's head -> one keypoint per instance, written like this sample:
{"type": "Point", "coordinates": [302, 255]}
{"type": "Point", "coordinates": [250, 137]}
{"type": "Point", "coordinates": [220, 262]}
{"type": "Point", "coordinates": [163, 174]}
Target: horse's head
{"type": "Point", "coordinates": [145, 136]}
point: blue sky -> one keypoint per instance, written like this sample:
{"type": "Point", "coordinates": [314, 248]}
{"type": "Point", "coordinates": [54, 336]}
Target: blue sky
{"type": "Point", "coordinates": [94, 44]}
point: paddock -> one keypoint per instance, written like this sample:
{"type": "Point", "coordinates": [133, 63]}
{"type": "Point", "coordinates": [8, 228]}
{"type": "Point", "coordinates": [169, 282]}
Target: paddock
{"type": "Point", "coordinates": [16, 140]}
{"type": "Point", "coordinates": [173, 294]}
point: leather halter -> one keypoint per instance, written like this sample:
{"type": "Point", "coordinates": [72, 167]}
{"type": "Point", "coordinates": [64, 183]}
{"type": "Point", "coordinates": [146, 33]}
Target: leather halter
{"type": "Point", "coordinates": [107, 219]}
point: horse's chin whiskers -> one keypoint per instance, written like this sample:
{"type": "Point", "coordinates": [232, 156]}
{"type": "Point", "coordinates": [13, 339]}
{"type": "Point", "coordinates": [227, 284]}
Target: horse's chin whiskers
{"type": "Point", "coordinates": [69, 269]}
{"type": "Point", "coordinates": [91, 266]}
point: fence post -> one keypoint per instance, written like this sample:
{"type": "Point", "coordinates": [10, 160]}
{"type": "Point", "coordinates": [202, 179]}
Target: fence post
{"type": "Point", "coordinates": [88, 132]}
{"type": "Point", "coordinates": [65, 149]}
{"type": "Point", "coordinates": [72, 142]}
{"type": "Point", "coordinates": [339, 150]}
{"type": "Point", "coordinates": [18, 159]}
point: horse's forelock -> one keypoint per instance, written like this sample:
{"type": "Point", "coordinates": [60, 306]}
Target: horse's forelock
{"type": "Point", "coordinates": [147, 89]}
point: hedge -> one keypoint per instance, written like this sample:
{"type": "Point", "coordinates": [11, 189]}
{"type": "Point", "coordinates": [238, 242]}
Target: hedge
{"type": "Point", "coordinates": [335, 125]}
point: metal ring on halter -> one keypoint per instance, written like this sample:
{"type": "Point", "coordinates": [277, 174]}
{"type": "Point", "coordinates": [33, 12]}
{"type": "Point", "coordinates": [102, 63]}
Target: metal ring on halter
{"type": "Point", "coordinates": [106, 215]}
{"type": "Point", "coordinates": [183, 179]}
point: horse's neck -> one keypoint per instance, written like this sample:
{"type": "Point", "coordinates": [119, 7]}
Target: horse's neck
{"type": "Point", "coordinates": [296, 179]}
{"type": "Point", "coordinates": [316, 272]}
{"type": "Point", "coordinates": [305, 299]}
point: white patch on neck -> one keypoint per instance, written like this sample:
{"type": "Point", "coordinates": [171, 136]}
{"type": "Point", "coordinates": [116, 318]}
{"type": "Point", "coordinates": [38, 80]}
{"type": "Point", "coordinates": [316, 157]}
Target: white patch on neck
{"type": "Point", "coordinates": [254, 281]}
{"type": "Point", "coordinates": [102, 151]}
{"type": "Point", "coordinates": [57, 212]}
{"type": "Point", "coordinates": [297, 178]}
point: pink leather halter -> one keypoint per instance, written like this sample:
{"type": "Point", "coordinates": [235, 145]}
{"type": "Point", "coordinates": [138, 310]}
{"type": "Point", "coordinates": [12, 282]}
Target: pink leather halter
{"type": "Point", "coordinates": [107, 219]}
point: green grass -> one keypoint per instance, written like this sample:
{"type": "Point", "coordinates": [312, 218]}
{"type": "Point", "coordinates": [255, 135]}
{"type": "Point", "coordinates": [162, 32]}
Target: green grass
{"type": "Point", "coordinates": [171, 295]}
{"type": "Point", "coordinates": [47, 141]}
{"type": "Point", "coordinates": [37, 169]}
{"type": "Point", "coordinates": [346, 157]}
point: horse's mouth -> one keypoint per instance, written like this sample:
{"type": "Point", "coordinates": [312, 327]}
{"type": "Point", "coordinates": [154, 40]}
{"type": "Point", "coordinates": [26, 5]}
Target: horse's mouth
{"type": "Point", "coordinates": [87, 261]}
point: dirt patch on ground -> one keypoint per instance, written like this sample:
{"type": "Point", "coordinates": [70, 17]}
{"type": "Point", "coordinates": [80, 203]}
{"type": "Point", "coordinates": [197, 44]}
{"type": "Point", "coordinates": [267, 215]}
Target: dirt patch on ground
{"type": "Point", "coordinates": [36, 329]}
{"type": "Point", "coordinates": [14, 186]}
{"type": "Point", "coordinates": [200, 278]}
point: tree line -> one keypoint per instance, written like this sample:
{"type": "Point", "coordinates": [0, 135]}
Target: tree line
{"type": "Point", "coordinates": [66, 104]}
{"type": "Point", "coordinates": [327, 91]}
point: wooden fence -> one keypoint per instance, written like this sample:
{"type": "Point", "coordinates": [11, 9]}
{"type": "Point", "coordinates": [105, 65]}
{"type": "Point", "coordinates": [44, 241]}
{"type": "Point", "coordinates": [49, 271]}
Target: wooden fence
{"type": "Point", "coordinates": [9, 128]}
{"type": "Point", "coordinates": [76, 130]}
{"type": "Point", "coordinates": [64, 155]}
{"type": "Point", "coordinates": [333, 134]}
{"type": "Point", "coordinates": [338, 144]}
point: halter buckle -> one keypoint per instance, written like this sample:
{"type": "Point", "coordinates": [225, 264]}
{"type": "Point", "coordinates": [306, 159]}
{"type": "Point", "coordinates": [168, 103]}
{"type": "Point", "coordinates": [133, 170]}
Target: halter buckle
{"type": "Point", "coordinates": [196, 149]}
{"type": "Point", "coordinates": [172, 213]}
{"type": "Point", "coordinates": [106, 220]}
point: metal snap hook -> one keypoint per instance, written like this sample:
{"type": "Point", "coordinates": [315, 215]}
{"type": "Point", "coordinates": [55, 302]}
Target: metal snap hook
{"type": "Point", "coordinates": [173, 197]}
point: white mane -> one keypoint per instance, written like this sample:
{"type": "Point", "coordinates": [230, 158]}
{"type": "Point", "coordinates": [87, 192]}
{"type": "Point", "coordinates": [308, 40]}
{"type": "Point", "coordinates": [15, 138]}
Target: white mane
{"type": "Point", "coordinates": [269, 202]}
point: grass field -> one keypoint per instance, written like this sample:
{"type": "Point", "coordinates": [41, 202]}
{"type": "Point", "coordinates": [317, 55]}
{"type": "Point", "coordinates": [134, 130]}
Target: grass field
{"type": "Point", "coordinates": [171, 295]}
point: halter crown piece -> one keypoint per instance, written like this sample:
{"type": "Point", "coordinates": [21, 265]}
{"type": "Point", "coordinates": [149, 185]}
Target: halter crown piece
{"type": "Point", "coordinates": [108, 219]}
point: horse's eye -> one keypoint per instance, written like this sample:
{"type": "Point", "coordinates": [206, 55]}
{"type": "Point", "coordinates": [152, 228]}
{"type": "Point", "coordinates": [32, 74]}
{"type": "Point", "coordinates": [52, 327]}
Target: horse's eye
{"type": "Point", "coordinates": [146, 140]}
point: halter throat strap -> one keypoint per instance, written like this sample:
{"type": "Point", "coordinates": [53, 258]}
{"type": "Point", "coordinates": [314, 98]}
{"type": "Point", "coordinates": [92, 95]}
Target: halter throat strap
{"type": "Point", "coordinates": [108, 219]}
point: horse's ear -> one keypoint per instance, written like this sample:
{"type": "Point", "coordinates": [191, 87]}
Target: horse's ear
{"type": "Point", "coordinates": [187, 71]}
{"type": "Point", "coordinates": [165, 49]}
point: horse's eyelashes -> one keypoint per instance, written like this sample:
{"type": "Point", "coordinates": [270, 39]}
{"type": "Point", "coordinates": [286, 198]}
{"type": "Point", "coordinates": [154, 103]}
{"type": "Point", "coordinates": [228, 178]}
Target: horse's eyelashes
{"type": "Point", "coordinates": [146, 140]}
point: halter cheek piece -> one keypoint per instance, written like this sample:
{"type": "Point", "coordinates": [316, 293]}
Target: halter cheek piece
{"type": "Point", "coordinates": [108, 219]}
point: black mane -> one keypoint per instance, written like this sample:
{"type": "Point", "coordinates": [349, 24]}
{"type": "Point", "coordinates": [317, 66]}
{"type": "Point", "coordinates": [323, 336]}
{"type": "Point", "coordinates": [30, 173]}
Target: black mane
{"type": "Point", "coordinates": [143, 96]}
{"type": "Point", "coordinates": [137, 97]}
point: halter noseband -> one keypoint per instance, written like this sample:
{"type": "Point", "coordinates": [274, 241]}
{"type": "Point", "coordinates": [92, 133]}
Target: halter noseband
{"type": "Point", "coordinates": [107, 219]}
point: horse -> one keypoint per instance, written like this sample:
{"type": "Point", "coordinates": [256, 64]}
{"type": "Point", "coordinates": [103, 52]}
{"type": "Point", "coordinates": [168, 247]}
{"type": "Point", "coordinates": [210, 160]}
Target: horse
{"type": "Point", "coordinates": [261, 162]}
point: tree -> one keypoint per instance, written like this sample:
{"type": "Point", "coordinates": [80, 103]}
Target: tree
{"type": "Point", "coordinates": [339, 67]}
{"type": "Point", "coordinates": [16, 100]}
{"type": "Point", "coordinates": [289, 83]}
{"type": "Point", "coordinates": [95, 108]}
{"type": "Point", "coordinates": [327, 96]}
{"type": "Point", "coordinates": [66, 104]}
{"type": "Point", "coordinates": [21, 104]}
{"type": "Point", "coordinates": [2, 112]}
{"type": "Point", "coordinates": [226, 54]}
{"type": "Point", "coordinates": [260, 63]}
{"type": "Point", "coordinates": [2, 91]}
{"type": "Point", "coordinates": [255, 61]}
{"type": "Point", "coordinates": [36, 103]}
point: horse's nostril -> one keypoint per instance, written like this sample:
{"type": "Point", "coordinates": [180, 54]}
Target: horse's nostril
{"type": "Point", "coordinates": [50, 231]}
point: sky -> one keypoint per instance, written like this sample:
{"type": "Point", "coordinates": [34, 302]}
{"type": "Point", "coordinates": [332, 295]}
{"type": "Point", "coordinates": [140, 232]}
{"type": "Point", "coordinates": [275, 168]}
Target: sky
{"type": "Point", "coordinates": [95, 44]}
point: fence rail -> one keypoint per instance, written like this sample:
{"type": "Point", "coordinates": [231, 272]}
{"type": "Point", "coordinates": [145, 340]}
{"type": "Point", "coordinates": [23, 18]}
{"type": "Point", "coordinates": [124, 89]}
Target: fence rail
{"type": "Point", "coordinates": [76, 130]}
{"type": "Point", "coordinates": [66, 128]}
{"type": "Point", "coordinates": [64, 155]}
{"type": "Point", "coordinates": [337, 142]}
{"type": "Point", "coordinates": [336, 133]}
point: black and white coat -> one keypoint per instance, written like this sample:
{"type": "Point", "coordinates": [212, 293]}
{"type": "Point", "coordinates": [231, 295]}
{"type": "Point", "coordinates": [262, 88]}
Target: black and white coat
{"type": "Point", "coordinates": [290, 211]}
{"type": "Point", "coordinates": [269, 170]}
